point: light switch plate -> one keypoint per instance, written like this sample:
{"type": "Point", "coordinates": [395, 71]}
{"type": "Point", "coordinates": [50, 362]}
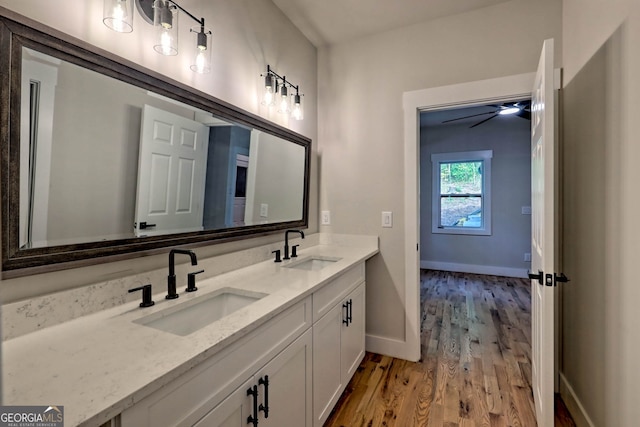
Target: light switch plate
{"type": "Point", "coordinates": [325, 218]}
{"type": "Point", "coordinates": [264, 210]}
{"type": "Point", "coordinates": [387, 219]}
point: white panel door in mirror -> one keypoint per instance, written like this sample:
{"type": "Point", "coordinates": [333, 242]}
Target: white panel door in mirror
{"type": "Point", "coordinates": [171, 173]}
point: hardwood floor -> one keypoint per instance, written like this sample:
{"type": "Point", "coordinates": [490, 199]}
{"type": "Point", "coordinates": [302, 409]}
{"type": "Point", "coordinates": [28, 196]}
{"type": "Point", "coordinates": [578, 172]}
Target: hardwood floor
{"type": "Point", "coordinates": [475, 368]}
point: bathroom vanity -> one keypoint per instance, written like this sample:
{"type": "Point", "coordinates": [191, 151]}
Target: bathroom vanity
{"type": "Point", "coordinates": [282, 355]}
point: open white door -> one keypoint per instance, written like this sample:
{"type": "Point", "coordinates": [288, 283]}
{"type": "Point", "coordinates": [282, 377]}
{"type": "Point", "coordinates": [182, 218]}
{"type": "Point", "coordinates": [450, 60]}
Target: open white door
{"type": "Point", "coordinates": [171, 173]}
{"type": "Point", "coordinates": [543, 237]}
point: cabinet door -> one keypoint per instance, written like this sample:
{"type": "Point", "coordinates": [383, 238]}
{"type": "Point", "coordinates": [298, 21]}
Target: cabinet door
{"type": "Point", "coordinates": [353, 336]}
{"type": "Point", "coordinates": [231, 412]}
{"type": "Point", "coordinates": [327, 384]}
{"type": "Point", "coordinates": [288, 394]}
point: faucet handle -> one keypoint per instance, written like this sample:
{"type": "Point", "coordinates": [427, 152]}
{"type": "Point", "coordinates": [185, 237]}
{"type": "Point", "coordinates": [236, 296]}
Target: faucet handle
{"type": "Point", "coordinates": [294, 252]}
{"type": "Point", "coordinates": [146, 295]}
{"type": "Point", "coordinates": [277, 252]}
{"type": "Point", "coordinates": [191, 281]}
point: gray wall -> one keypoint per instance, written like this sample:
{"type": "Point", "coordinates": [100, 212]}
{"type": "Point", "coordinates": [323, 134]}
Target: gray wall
{"type": "Point", "coordinates": [510, 139]}
{"type": "Point", "coordinates": [601, 243]}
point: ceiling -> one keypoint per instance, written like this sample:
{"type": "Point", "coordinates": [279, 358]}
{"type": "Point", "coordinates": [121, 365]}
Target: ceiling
{"type": "Point", "coordinates": [328, 22]}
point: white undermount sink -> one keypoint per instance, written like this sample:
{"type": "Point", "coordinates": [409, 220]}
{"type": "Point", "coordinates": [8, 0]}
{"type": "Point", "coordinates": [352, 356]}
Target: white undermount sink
{"type": "Point", "coordinates": [312, 263]}
{"type": "Point", "coordinates": [186, 318]}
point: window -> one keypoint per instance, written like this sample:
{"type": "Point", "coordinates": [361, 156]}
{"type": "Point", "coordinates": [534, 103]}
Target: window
{"type": "Point", "coordinates": [462, 192]}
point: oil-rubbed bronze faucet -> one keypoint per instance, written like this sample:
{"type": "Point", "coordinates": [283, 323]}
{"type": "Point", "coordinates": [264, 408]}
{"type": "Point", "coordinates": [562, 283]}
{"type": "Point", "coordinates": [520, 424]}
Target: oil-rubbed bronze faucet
{"type": "Point", "coordinates": [171, 279]}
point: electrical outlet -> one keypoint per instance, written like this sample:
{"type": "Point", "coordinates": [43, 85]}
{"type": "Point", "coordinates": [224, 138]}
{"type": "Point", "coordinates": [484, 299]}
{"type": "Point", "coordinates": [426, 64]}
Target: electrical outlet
{"type": "Point", "coordinates": [264, 210]}
{"type": "Point", "coordinates": [527, 257]}
{"type": "Point", "coordinates": [387, 219]}
{"type": "Point", "coordinates": [326, 218]}
{"type": "Point", "coordinates": [526, 210]}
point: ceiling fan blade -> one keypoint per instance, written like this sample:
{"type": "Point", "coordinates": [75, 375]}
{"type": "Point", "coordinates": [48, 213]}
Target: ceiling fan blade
{"type": "Point", "coordinates": [466, 117]}
{"type": "Point", "coordinates": [485, 120]}
{"type": "Point", "coordinates": [524, 114]}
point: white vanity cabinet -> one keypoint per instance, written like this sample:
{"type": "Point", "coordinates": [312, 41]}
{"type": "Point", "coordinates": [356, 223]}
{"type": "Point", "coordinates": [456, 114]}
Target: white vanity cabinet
{"type": "Point", "coordinates": [282, 393]}
{"type": "Point", "coordinates": [214, 393]}
{"type": "Point", "coordinates": [338, 339]}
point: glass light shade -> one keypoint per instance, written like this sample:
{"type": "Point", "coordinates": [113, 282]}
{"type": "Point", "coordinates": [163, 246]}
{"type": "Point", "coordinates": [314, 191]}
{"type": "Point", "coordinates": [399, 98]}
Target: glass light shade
{"type": "Point", "coordinates": [202, 50]}
{"type": "Point", "coordinates": [118, 15]}
{"type": "Point", "coordinates": [165, 19]}
{"type": "Point", "coordinates": [283, 105]}
{"type": "Point", "coordinates": [297, 111]}
{"type": "Point", "coordinates": [269, 96]}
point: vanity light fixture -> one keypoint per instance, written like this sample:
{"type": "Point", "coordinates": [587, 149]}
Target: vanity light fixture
{"type": "Point", "coordinates": [276, 91]}
{"type": "Point", "coordinates": [163, 14]}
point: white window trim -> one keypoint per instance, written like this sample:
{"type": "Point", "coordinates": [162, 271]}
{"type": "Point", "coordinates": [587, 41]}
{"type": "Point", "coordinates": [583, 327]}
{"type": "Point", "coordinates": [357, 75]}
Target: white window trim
{"type": "Point", "coordinates": [466, 156]}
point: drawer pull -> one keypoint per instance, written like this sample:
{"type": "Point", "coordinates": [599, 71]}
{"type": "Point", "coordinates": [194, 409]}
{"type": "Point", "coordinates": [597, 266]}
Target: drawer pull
{"type": "Point", "coordinates": [345, 318]}
{"type": "Point", "coordinates": [253, 419]}
{"type": "Point", "coordinates": [265, 408]}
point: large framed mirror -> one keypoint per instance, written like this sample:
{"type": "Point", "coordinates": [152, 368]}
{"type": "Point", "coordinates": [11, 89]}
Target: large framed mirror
{"type": "Point", "coordinates": [101, 158]}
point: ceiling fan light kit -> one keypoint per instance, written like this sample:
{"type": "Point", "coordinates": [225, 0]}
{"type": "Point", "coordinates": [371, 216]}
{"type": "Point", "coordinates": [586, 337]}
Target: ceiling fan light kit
{"type": "Point", "coordinates": [521, 109]}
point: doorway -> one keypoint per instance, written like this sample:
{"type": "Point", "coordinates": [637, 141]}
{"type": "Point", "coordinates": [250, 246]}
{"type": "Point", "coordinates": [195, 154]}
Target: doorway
{"type": "Point", "coordinates": [468, 94]}
{"type": "Point", "coordinates": [475, 181]}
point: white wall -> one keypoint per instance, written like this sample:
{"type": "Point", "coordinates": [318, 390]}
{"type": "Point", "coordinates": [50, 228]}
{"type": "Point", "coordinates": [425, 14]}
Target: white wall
{"type": "Point", "coordinates": [601, 340]}
{"type": "Point", "coordinates": [510, 140]}
{"type": "Point", "coordinates": [360, 112]}
{"type": "Point", "coordinates": [247, 35]}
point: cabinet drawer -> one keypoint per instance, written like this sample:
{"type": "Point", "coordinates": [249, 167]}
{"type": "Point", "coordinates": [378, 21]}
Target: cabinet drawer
{"type": "Point", "coordinates": [325, 298]}
{"type": "Point", "coordinates": [189, 398]}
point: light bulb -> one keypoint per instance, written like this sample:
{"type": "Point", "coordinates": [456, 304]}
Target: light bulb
{"type": "Point", "coordinates": [201, 62]}
{"type": "Point", "coordinates": [284, 100]}
{"type": "Point", "coordinates": [268, 96]}
{"type": "Point", "coordinates": [509, 110]}
{"type": "Point", "coordinates": [165, 43]}
{"type": "Point", "coordinates": [296, 112]}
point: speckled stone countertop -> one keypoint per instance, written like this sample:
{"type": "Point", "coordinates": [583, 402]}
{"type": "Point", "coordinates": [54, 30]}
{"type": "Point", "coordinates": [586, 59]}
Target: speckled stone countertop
{"type": "Point", "coordinates": [100, 364]}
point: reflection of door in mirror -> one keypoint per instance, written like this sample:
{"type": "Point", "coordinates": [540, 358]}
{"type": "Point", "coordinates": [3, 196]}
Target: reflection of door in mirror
{"type": "Point", "coordinates": [240, 189]}
{"type": "Point", "coordinates": [171, 179]}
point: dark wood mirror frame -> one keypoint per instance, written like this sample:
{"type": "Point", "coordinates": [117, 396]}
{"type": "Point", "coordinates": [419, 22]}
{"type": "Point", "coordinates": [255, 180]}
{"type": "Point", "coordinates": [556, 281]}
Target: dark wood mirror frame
{"type": "Point", "coordinates": [17, 32]}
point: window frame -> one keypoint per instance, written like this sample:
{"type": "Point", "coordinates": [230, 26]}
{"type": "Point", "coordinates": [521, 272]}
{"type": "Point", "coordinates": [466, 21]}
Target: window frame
{"type": "Point", "coordinates": [437, 159]}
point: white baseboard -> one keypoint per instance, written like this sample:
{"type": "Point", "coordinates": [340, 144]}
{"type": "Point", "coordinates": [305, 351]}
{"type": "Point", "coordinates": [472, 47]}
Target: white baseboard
{"type": "Point", "coordinates": [573, 404]}
{"type": "Point", "coordinates": [389, 347]}
{"type": "Point", "coordinates": [474, 269]}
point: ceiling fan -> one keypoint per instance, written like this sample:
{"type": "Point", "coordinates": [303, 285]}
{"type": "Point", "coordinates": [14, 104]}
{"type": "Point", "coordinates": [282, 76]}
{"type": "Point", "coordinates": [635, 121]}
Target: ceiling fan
{"type": "Point", "coordinates": [521, 109]}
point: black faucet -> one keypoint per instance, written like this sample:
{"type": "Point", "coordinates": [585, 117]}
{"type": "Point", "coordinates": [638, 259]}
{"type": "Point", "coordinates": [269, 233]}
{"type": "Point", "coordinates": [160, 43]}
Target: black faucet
{"type": "Point", "coordinates": [171, 279]}
{"type": "Point", "coordinates": [286, 241]}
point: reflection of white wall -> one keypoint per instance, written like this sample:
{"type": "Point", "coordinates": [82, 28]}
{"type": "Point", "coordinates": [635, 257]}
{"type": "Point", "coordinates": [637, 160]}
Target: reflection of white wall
{"type": "Point", "coordinates": [275, 178]}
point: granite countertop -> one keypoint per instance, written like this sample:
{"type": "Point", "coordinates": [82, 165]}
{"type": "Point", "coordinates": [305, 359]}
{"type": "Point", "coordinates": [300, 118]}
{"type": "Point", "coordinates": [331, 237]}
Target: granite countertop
{"type": "Point", "coordinates": [100, 364]}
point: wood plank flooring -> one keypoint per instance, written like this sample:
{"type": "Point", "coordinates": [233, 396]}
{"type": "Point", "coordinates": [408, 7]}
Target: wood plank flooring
{"type": "Point", "coordinates": [475, 369]}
